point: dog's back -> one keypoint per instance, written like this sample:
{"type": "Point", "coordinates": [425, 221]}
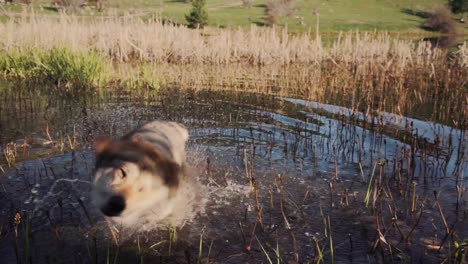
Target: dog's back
{"type": "Point", "coordinates": [169, 137]}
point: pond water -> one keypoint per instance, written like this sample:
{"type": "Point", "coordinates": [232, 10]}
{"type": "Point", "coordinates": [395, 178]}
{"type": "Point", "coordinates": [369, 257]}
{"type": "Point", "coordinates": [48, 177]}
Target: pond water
{"type": "Point", "coordinates": [310, 165]}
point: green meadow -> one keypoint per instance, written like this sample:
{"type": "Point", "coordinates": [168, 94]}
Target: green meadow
{"type": "Point", "coordinates": [334, 15]}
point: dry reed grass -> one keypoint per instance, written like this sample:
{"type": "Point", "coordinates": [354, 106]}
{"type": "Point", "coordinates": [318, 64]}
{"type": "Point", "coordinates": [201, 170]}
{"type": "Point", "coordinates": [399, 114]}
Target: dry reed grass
{"type": "Point", "coordinates": [433, 91]}
{"type": "Point", "coordinates": [128, 38]}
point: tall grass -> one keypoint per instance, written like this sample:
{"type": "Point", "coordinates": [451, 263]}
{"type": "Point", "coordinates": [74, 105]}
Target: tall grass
{"type": "Point", "coordinates": [435, 91]}
{"type": "Point", "coordinates": [128, 38]}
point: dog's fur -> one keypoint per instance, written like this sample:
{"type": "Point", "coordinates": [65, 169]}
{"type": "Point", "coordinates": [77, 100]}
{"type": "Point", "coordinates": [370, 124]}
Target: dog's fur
{"type": "Point", "coordinates": [140, 173]}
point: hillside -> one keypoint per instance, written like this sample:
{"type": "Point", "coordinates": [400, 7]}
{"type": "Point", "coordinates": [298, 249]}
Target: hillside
{"type": "Point", "coordinates": [335, 15]}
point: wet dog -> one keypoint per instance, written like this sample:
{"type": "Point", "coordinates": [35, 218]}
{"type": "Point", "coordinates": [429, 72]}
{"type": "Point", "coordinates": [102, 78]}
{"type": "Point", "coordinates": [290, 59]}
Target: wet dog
{"type": "Point", "coordinates": [140, 174]}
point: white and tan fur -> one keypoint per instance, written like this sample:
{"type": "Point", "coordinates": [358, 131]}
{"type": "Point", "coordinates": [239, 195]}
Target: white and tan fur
{"type": "Point", "coordinates": [141, 174]}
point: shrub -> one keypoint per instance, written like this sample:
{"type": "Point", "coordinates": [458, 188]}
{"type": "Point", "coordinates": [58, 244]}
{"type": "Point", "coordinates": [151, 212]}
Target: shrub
{"type": "Point", "coordinates": [247, 3]}
{"type": "Point", "coordinates": [99, 4]}
{"type": "Point", "coordinates": [441, 20]}
{"type": "Point", "coordinates": [198, 17]}
{"type": "Point", "coordinates": [279, 8]}
{"type": "Point", "coordinates": [459, 6]}
{"type": "Point", "coordinates": [69, 5]}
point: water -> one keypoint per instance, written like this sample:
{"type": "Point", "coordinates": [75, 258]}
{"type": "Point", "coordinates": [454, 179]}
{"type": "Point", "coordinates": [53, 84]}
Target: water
{"type": "Point", "coordinates": [276, 171]}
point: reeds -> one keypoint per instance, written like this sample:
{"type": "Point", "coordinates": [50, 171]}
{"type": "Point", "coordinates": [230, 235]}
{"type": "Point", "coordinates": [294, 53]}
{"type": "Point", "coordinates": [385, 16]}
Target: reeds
{"type": "Point", "coordinates": [125, 39]}
{"type": "Point", "coordinates": [10, 154]}
{"type": "Point", "coordinates": [369, 72]}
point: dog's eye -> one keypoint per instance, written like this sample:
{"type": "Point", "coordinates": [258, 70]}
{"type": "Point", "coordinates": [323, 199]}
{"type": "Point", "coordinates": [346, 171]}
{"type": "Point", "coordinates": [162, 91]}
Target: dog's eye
{"type": "Point", "coordinates": [123, 173]}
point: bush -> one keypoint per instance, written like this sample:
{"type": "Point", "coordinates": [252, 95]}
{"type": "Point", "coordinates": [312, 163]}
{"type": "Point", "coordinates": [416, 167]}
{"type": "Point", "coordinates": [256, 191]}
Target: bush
{"type": "Point", "coordinates": [247, 3]}
{"type": "Point", "coordinates": [441, 20]}
{"type": "Point", "coordinates": [198, 17]}
{"type": "Point", "coordinates": [68, 5]}
{"type": "Point", "coordinates": [459, 6]}
{"type": "Point", "coordinates": [279, 8]}
{"type": "Point", "coordinates": [98, 4]}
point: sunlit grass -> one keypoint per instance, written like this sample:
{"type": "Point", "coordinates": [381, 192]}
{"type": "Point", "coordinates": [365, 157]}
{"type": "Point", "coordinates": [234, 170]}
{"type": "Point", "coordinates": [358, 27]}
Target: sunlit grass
{"type": "Point", "coordinates": [58, 66]}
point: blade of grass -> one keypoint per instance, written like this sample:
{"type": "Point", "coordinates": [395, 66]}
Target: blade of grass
{"type": "Point", "coordinates": [264, 251]}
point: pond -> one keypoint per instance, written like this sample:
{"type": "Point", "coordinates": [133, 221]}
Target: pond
{"type": "Point", "coordinates": [284, 179]}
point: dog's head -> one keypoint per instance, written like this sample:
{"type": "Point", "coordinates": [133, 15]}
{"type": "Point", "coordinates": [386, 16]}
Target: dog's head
{"type": "Point", "coordinates": [131, 177]}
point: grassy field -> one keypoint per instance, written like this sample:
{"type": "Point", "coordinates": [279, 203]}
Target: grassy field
{"type": "Point", "coordinates": [336, 15]}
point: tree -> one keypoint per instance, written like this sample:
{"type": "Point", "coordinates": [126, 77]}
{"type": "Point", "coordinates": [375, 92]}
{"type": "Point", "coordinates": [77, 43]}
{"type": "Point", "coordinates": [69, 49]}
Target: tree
{"type": "Point", "coordinates": [198, 17]}
{"type": "Point", "coordinates": [459, 6]}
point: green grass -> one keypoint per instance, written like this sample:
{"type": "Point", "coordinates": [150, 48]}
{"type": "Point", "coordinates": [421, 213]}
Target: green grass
{"type": "Point", "coordinates": [366, 14]}
{"type": "Point", "coordinates": [57, 66]}
{"type": "Point", "coordinates": [335, 15]}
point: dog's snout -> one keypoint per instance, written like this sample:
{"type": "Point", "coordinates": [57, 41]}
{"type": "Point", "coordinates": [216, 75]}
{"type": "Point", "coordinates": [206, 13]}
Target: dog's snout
{"type": "Point", "coordinates": [114, 206]}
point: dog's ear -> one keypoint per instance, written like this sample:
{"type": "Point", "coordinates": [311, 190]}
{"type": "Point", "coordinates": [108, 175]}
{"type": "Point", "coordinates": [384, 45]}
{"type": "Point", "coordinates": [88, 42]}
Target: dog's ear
{"type": "Point", "coordinates": [101, 143]}
{"type": "Point", "coordinates": [171, 175]}
{"type": "Point", "coordinates": [171, 171]}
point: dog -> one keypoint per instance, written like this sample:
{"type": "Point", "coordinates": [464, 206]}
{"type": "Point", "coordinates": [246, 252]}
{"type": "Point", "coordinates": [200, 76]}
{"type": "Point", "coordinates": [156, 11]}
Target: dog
{"type": "Point", "coordinates": [139, 176]}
